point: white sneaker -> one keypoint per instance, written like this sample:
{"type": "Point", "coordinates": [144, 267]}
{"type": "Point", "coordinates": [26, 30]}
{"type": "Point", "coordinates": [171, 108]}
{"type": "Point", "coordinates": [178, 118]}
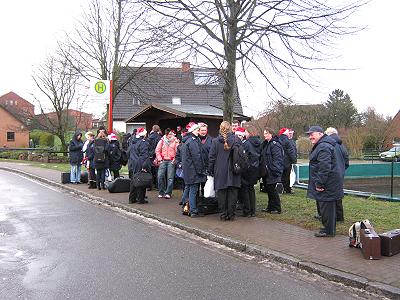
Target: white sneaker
{"type": "Point", "coordinates": [167, 196]}
{"type": "Point", "coordinates": [160, 196]}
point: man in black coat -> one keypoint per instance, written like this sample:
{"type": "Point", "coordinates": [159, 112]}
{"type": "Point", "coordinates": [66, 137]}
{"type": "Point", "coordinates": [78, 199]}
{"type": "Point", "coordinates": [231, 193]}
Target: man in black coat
{"type": "Point", "coordinates": [206, 141]}
{"type": "Point", "coordinates": [289, 158]}
{"type": "Point", "coordinates": [272, 161]}
{"type": "Point", "coordinates": [153, 139]}
{"type": "Point", "coordinates": [342, 157]}
{"type": "Point", "coordinates": [76, 157]}
{"type": "Point", "coordinates": [193, 168]}
{"type": "Point", "coordinates": [325, 183]}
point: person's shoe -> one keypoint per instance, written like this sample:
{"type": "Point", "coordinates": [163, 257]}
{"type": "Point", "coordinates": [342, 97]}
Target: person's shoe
{"type": "Point", "coordinates": [279, 188]}
{"type": "Point", "coordinates": [180, 203]}
{"type": "Point", "coordinates": [323, 234]}
{"type": "Point", "coordinates": [91, 187]}
{"type": "Point", "coordinates": [274, 212]}
{"type": "Point", "coordinates": [167, 196]}
{"type": "Point", "coordinates": [252, 215]}
{"type": "Point", "coordinates": [160, 196]}
{"type": "Point", "coordinates": [99, 188]}
{"type": "Point", "coordinates": [222, 217]}
{"type": "Point", "coordinates": [265, 210]}
{"type": "Point", "coordinates": [131, 202]}
{"type": "Point", "coordinates": [196, 215]}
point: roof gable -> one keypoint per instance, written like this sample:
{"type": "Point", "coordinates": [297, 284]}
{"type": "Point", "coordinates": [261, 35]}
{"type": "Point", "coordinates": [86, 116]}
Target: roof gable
{"type": "Point", "coordinates": [161, 85]}
{"type": "Point", "coordinates": [17, 117]}
{"type": "Point", "coordinates": [14, 97]}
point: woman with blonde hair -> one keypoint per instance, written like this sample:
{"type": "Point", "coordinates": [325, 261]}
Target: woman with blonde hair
{"type": "Point", "coordinates": [226, 183]}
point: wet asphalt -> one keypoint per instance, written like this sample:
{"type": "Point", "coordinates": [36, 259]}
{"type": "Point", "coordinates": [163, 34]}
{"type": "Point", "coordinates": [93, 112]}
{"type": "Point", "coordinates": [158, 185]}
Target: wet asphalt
{"type": "Point", "coordinates": [54, 245]}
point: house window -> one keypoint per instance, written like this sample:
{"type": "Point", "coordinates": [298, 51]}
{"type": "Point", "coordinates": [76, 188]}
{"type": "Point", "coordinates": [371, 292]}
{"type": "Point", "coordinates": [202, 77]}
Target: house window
{"type": "Point", "coordinates": [206, 78]}
{"type": "Point", "coordinates": [11, 102]}
{"type": "Point", "coordinates": [10, 136]}
{"type": "Point", "coordinates": [135, 101]}
{"type": "Point", "coordinates": [176, 100]}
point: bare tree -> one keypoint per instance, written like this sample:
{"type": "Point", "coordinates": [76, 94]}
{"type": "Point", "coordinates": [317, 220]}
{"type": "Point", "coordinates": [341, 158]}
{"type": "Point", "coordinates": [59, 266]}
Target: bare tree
{"type": "Point", "coordinates": [288, 38]}
{"type": "Point", "coordinates": [57, 81]}
{"type": "Point", "coordinates": [109, 36]}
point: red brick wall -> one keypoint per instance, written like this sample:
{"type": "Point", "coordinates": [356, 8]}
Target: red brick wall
{"type": "Point", "coordinates": [10, 124]}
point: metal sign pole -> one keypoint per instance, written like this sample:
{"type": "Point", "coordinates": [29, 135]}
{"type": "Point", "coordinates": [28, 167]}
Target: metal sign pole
{"type": "Point", "coordinates": [110, 111]}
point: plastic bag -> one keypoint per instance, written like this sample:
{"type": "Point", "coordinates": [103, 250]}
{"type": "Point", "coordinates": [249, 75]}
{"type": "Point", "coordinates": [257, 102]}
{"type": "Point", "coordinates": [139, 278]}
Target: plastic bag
{"type": "Point", "coordinates": [108, 175]}
{"type": "Point", "coordinates": [209, 191]}
{"type": "Point", "coordinates": [292, 177]}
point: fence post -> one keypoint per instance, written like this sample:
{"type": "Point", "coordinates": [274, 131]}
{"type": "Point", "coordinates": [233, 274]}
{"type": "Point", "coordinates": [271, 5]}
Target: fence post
{"type": "Point", "coordinates": [391, 178]}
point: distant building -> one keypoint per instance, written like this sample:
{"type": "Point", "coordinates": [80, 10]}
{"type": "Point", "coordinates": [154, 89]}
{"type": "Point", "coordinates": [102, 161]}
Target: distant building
{"type": "Point", "coordinates": [393, 131]}
{"type": "Point", "coordinates": [74, 118]}
{"type": "Point", "coordinates": [18, 106]}
{"type": "Point", "coordinates": [14, 131]}
{"type": "Point", "coordinates": [170, 97]}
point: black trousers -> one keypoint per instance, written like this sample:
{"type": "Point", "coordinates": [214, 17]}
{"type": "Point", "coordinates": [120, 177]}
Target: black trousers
{"type": "Point", "coordinates": [328, 216]}
{"type": "Point", "coordinates": [248, 196]}
{"type": "Point", "coordinates": [274, 202]}
{"type": "Point", "coordinates": [227, 199]}
{"type": "Point", "coordinates": [286, 179]}
{"type": "Point", "coordinates": [339, 210]}
{"type": "Point", "coordinates": [115, 173]}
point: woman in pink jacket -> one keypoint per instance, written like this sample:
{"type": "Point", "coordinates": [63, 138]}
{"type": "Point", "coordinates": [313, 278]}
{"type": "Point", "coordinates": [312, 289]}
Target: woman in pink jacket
{"type": "Point", "coordinates": [165, 157]}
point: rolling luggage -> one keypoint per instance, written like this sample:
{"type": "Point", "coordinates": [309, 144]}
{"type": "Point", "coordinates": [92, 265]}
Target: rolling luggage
{"type": "Point", "coordinates": [84, 177]}
{"type": "Point", "coordinates": [370, 243]}
{"type": "Point", "coordinates": [390, 242]}
{"type": "Point", "coordinates": [119, 185]}
{"type": "Point", "coordinates": [207, 206]}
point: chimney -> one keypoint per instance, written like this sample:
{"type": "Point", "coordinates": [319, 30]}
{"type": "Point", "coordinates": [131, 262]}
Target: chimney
{"type": "Point", "coordinates": [185, 66]}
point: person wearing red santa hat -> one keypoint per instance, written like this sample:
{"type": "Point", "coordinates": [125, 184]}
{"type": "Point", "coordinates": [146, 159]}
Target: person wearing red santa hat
{"type": "Point", "coordinates": [139, 161]}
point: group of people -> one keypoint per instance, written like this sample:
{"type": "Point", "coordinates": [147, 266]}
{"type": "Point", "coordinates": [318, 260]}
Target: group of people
{"type": "Point", "coordinates": [196, 154]}
{"type": "Point", "coordinates": [98, 154]}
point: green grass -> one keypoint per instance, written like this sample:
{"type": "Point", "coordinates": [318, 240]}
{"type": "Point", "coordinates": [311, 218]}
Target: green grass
{"type": "Point", "coordinates": [298, 210]}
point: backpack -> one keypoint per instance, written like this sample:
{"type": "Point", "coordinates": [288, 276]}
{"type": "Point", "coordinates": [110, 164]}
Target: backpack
{"type": "Point", "coordinates": [239, 159]}
{"type": "Point", "coordinates": [354, 232]}
{"type": "Point", "coordinates": [99, 150]}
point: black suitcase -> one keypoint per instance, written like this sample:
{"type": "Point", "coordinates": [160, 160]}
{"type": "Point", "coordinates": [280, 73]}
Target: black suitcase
{"type": "Point", "coordinates": [84, 177]}
{"type": "Point", "coordinates": [207, 206]}
{"type": "Point", "coordinates": [390, 242]}
{"type": "Point", "coordinates": [119, 185]}
{"type": "Point", "coordinates": [65, 177]}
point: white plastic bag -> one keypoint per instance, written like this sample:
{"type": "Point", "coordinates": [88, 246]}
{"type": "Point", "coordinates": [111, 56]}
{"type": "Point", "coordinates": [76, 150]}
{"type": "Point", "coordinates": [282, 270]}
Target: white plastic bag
{"type": "Point", "coordinates": [209, 191]}
{"type": "Point", "coordinates": [292, 177]}
{"type": "Point", "coordinates": [109, 176]}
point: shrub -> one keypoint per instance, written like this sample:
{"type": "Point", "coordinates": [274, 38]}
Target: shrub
{"type": "Point", "coordinates": [46, 140]}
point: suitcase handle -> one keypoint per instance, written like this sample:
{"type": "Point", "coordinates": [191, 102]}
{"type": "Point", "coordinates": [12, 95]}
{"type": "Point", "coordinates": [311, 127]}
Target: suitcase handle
{"type": "Point", "coordinates": [367, 231]}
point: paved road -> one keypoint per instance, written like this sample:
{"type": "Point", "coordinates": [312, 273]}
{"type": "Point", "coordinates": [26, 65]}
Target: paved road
{"type": "Point", "coordinates": [53, 245]}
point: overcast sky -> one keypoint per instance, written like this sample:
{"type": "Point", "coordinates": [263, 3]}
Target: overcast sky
{"type": "Point", "coordinates": [29, 30]}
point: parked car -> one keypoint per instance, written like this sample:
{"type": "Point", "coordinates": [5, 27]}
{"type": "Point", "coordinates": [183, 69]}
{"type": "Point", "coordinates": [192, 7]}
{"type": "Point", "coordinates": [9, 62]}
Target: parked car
{"type": "Point", "coordinates": [390, 154]}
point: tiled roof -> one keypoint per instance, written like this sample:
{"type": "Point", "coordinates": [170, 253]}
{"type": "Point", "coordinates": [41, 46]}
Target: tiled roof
{"type": "Point", "coordinates": [160, 85]}
{"type": "Point", "coordinates": [13, 96]}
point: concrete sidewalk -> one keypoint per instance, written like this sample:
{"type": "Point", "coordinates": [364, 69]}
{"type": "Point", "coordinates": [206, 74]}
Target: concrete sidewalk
{"type": "Point", "coordinates": [329, 257]}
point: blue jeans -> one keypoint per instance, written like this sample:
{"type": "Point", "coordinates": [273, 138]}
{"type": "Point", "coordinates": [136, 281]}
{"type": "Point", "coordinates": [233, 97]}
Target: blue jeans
{"type": "Point", "coordinates": [168, 168]}
{"type": "Point", "coordinates": [191, 193]}
{"type": "Point", "coordinates": [75, 175]}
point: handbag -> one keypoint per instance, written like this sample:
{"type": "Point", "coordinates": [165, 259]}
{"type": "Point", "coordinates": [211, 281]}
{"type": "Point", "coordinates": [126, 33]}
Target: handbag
{"type": "Point", "coordinates": [179, 172]}
{"type": "Point", "coordinates": [142, 179]}
{"type": "Point", "coordinates": [292, 177]}
{"type": "Point", "coordinates": [209, 191]}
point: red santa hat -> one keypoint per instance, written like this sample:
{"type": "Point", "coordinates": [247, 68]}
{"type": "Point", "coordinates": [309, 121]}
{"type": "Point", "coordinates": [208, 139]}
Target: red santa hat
{"type": "Point", "coordinates": [112, 137]}
{"type": "Point", "coordinates": [189, 125]}
{"type": "Point", "coordinates": [193, 126]}
{"type": "Point", "coordinates": [141, 132]}
{"type": "Point", "coordinates": [283, 130]}
{"type": "Point", "coordinates": [240, 131]}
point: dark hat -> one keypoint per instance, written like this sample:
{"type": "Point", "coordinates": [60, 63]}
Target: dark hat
{"type": "Point", "coordinates": [315, 129]}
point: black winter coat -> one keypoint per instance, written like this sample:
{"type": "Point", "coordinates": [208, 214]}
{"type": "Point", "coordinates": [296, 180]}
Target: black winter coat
{"type": "Point", "coordinates": [289, 149]}
{"type": "Point", "coordinates": [194, 170]}
{"type": "Point", "coordinates": [272, 157]}
{"type": "Point", "coordinates": [252, 147]}
{"type": "Point", "coordinates": [90, 154]}
{"type": "Point", "coordinates": [139, 155]}
{"type": "Point", "coordinates": [342, 156]}
{"type": "Point", "coordinates": [115, 155]}
{"type": "Point", "coordinates": [153, 139]}
{"type": "Point", "coordinates": [205, 149]}
{"type": "Point", "coordinates": [219, 163]}
{"type": "Point", "coordinates": [75, 150]}
{"type": "Point", "coordinates": [324, 172]}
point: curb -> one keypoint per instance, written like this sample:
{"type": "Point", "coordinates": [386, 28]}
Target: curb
{"type": "Point", "coordinates": [329, 273]}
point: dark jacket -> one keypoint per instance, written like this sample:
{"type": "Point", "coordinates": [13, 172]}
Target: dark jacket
{"type": "Point", "coordinates": [205, 148]}
{"type": "Point", "coordinates": [153, 139]}
{"type": "Point", "coordinates": [115, 155]}
{"type": "Point", "coordinates": [324, 172]}
{"type": "Point", "coordinates": [342, 156]}
{"type": "Point", "coordinates": [106, 163]}
{"type": "Point", "coordinates": [75, 150]}
{"type": "Point", "coordinates": [272, 158]}
{"type": "Point", "coordinates": [90, 154]}
{"type": "Point", "coordinates": [289, 149]}
{"type": "Point", "coordinates": [191, 160]}
{"type": "Point", "coordinates": [252, 147]}
{"type": "Point", "coordinates": [219, 163]}
{"type": "Point", "coordinates": [139, 155]}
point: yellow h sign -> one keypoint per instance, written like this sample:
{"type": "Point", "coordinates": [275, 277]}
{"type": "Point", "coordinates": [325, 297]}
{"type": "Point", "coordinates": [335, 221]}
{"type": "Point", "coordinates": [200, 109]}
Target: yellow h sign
{"type": "Point", "coordinates": [100, 87]}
